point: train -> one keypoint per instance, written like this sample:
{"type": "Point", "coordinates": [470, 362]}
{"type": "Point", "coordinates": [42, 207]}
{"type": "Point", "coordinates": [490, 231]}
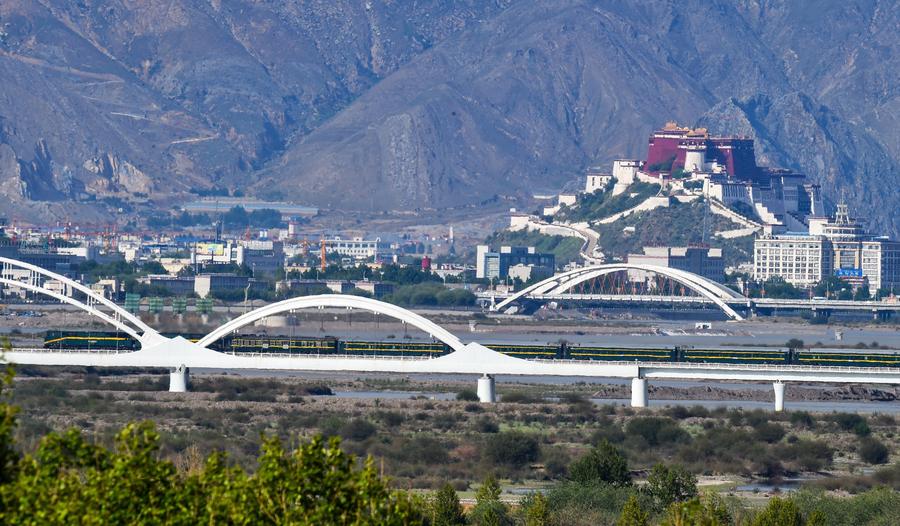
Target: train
{"type": "Point", "coordinates": [261, 343]}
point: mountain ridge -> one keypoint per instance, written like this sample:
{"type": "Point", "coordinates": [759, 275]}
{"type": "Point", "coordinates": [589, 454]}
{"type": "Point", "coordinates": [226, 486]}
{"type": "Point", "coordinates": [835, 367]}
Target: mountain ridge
{"type": "Point", "coordinates": [429, 105]}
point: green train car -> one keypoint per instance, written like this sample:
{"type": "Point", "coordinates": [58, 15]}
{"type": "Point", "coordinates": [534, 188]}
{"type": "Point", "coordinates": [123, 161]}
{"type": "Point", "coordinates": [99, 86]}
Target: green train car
{"type": "Point", "coordinates": [616, 355]}
{"type": "Point", "coordinates": [398, 348]}
{"type": "Point", "coordinates": [847, 359]}
{"type": "Point", "coordinates": [253, 343]}
{"type": "Point", "coordinates": [89, 340]}
{"type": "Point", "coordinates": [528, 352]}
{"type": "Point", "coordinates": [744, 357]}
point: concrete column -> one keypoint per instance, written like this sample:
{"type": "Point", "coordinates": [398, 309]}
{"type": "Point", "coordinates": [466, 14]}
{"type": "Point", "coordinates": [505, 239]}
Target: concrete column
{"type": "Point", "coordinates": [779, 396]}
{"type": "Point", "coordinates": [178, 380]}
{"type": "Point", "coordinates": [486, 391]}
{"type": "Point", "coordinates": [638, 392]}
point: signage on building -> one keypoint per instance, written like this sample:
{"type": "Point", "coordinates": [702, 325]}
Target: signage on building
{"type": "Point", "coordinates": [848, 272]}
{"type": "Point", "coordinates": [210, 249]}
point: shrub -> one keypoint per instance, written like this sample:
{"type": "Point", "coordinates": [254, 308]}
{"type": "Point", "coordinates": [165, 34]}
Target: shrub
{"type": "Point", "coordinates": [671, 484]}
{"type": "Point", "coordinates": [391, 419]}
{"type": "Point", "coordinates": [802, 419]}
{"type": "Point", "coordinates": [633, 515]}
{"type": "Point", "coordinates": [603, 464]}
{"type": "Point", "coordinates": [467, 395]}
{"type": "Point", "coordinates": [769, 432]}
{"type": "Point", "coordinates": [872, 451]}
{"type": "Point", "coordinates": [655, 431]}
{"type": "Point", "coordinates": [511, 448]}
{"type": "Point", "coordinates": [358, 429]}
{"type": "Point", "coordinates": [779, 512]}
{"type": "Point", "coordinates": [852, 422]}
{"type": "Point", "coordinates": [486, 425]}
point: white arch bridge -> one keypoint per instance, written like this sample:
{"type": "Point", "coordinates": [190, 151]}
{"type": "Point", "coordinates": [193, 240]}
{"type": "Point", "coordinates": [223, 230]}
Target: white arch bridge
{"type": "Point", "coordinates": [561, 286]}
{"type": "Point", "coordinates": [473, 358]}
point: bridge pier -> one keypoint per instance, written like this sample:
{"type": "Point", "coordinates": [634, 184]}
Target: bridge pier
{"type": "Point", "coordinates": [486, 390]}
{"type": "Point", "coordinates": [179, 379]}
{"type": "Point", "coordinates": [638, 392]}
{"type": "Point", "coordinates": [779, 396]}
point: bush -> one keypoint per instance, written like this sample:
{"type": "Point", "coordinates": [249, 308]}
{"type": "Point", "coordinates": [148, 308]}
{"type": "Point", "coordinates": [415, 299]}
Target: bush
{"type": "Point", "coordinates": [871, 451]}
{"type": "Point", "coordinates": [671, 484]}
{"type": "Point", "coordinates": [603, 464]}
{"type": "Point", "coordinates": [802, 419]}
{"type": "Point", "coordinates": [467, 395]}
{"type": "Point", "coordinates": [511, 448]}
{"type": "Point", "coordinates": [655, 431]}
{"type": "Point", "coordinates": [358, 430]}
{"type": "Point", "coordinates": [769, 432]}
{"type": "Point", "coordinates": [852, 422]}
{"type": "Point", "coordinates": [486, 425]}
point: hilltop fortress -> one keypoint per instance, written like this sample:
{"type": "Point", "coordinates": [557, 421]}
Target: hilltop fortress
{"type": "Point", "coordinates": [691, 161]}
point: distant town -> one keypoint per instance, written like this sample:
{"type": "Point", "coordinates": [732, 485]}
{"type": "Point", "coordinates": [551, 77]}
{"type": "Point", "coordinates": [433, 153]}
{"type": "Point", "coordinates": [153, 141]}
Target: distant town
{"type": "Point", "coordinates": [238, 249]}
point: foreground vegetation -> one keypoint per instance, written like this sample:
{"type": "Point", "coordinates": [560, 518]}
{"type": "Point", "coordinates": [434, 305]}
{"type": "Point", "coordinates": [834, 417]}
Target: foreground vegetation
{"type": "Point", "coordinates": [576, 462]}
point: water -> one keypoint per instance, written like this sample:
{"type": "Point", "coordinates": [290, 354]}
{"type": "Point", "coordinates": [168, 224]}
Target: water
{"type": "Point", "coordinates": [784, 486]}
{"type": "Point", "coordinates": [390, 395]}
{"type": "Point", "coordinates": [811, 406]}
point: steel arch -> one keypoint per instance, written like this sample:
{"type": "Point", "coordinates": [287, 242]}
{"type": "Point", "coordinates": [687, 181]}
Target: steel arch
{"type": "Point", "coordinates": [139, 330]}
{"type": "Point", "coordinates": [559, 283]}
{"type": "Point", "coordinates": [338, 301]}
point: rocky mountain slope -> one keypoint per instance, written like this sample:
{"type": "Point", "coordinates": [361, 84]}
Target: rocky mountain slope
{"type": "Point", "coordinates": [395, 105]}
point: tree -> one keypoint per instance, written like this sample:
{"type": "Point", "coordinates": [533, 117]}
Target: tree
{"type": "Point", "coordinates": [489, 510]}
{"type": "Point", "coordinates": [779, 512]}
{"type": "Point", "coordinates": [8, 455]}
{"type": "Point", "coordinates": [603, 464]}
{"type": "Point", "coordinates": [445, 508]}
{"type": "Point", "coordinates": [512, 448]}
{"type": "Point", "coordinates": [708, 511]}
{"type": "Point", "coordinates": [537, 512]}
{"type": "Point", "coordinates": [154, 267]}
{"type": "Point", "coordinates": [632, 514]}
{"type": "Point", "coordinates": [794, 344]}
{"type": "Point", "coordinates": [236, 217]}
{"type": "Point", "coordinates": [777, 287]}
{"type": "Point", "coordinates": [671, 484]}
{"type": "Point", "coordinates": [69, 478]}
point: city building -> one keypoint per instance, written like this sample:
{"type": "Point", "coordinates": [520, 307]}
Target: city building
{"type": "Point", "coordinates": [800, 259]}
{"type": "Point", "coordinates": [703, 261]}
{"type": "Point", "coordinates": [495, 265]}
{"type": "Point", "coordinates": [358, 248]}
{"type": "Point", "coordinates": [840, 247]}
{"type": "Point", "coordinates": [213, 284]}
{"type": "Point", "coordinates": [338, 286]}
{"type": "Point", "coordinates": [262, 257]}
{"type": "Point", "coordinates": [377, 289]}
{"type": "Point", "coordinates": [176, 285]}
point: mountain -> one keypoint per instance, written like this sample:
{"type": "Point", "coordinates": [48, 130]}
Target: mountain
{"type": "Point", "coordinates": [428, 104]}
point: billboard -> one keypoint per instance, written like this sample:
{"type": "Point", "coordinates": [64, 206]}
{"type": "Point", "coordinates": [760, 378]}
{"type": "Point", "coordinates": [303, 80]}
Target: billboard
{"type": "Point", "coordinates": [210, 249]}
{"type": "Point", "coordinates": [848, 272]}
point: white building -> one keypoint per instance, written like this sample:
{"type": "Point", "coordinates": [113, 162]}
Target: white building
{"type": "Point", "coordinates": [832, 247]}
